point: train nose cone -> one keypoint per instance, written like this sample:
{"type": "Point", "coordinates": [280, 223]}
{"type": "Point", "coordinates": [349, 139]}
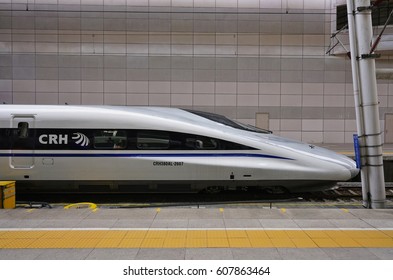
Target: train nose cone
{"type": "Point", "coordinates": [352, 167]}
{"type": "Point", "coordinates": [354, 171]}
{"type": "Point", "coordinates": [349, 165]}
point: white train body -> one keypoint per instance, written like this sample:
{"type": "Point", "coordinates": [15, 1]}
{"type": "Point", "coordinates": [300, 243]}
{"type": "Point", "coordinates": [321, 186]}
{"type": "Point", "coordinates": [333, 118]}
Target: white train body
{"type": "Point", "coordinates": [153, 149]}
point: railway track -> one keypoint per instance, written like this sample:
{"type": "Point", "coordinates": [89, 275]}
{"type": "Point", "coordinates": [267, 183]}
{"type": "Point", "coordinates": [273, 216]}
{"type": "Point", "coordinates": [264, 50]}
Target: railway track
{"type": "Point", "coordinates": [345, 192]}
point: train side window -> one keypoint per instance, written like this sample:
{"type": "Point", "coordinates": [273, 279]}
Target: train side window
{"type": "Point", "coordinates": [202, 143]}
{"type": "Point", "coordinates": [110, 139]}
{"type": "Point", "coordinates": [152, 140]}
{"type": "Point", "coordinates": [23, 130]}
{"type": "Point", "coordinates": [234, 146]}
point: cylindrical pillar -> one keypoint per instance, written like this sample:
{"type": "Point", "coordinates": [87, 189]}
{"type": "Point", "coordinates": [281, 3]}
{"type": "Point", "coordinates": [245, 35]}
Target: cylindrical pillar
{"type": "Point", "coordinates": [357, 97]}
{"type": "Point", "coordinates": [368, 106]}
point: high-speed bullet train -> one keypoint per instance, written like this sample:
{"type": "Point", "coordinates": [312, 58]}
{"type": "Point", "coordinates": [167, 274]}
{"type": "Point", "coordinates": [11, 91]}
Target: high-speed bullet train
{"type": "Point", "coordinates": [154, 149]}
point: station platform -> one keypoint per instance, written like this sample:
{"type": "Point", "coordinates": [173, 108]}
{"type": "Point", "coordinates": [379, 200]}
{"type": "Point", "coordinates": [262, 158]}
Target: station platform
{"type": "Point", "coordinates": [196, 233]}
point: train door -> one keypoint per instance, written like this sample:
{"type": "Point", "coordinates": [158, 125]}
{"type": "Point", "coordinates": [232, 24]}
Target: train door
{"type": "Point", "coordinates": [22, 146]}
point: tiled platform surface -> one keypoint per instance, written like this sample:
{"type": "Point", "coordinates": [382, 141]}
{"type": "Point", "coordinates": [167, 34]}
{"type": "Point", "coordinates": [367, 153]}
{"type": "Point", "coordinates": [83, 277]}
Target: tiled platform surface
{"type": "Point", "coordinates": [196, 233]}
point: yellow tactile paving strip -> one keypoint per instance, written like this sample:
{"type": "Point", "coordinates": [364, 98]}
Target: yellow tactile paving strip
{"type": "Point", "coordinates": [187, 238]}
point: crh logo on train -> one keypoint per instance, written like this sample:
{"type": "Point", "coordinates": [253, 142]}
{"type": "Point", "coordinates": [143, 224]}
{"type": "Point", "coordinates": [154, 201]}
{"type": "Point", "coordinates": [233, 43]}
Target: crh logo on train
{"type": "Point", "coordinates": [63, 139]}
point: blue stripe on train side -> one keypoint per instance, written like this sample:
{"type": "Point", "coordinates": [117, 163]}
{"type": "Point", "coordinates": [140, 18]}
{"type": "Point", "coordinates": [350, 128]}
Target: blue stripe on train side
{"type": "Point", "coordinates": [136, 155]}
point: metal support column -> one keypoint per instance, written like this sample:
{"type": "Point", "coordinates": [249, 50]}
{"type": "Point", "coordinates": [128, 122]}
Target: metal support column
{"type": "Point", "coordinates": [366, 103]}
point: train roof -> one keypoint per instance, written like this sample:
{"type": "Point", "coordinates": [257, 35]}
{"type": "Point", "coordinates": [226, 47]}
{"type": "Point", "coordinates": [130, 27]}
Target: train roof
{"type": "Point", "coordinates": [134, 117]}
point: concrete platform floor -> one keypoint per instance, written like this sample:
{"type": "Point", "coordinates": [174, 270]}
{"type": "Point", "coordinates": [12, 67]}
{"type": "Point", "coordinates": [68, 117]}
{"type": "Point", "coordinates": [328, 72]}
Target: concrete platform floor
{"type": "Point", "coordinates": [192, 233]}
